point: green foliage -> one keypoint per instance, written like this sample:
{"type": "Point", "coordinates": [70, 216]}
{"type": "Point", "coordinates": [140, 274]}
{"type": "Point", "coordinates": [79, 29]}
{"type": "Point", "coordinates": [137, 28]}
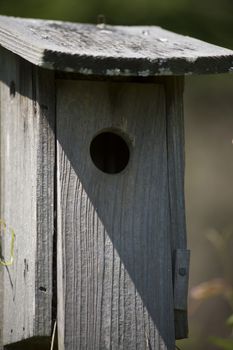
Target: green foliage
{"type": "Point", "coordinates": [224, 344]}
{"type": "Point", "coordinates": [216, 287]}
{"type": "Point", "coordinates": [229, 321]}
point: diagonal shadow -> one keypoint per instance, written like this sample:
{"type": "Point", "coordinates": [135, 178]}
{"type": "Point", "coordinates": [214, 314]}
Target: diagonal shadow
{"type": "Point", "coordinates": [138, 233]}
{"type": "Point", "coordinates": [130, 208]}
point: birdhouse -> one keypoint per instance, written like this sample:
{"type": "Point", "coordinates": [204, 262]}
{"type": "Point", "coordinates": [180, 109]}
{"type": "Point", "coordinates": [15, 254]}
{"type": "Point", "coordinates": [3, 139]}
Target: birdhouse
{"type": "Point", "coordinates": [93, 233]}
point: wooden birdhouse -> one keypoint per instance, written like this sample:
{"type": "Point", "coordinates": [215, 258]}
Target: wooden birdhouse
{"type": "Point", "coordinates": [92, 172]}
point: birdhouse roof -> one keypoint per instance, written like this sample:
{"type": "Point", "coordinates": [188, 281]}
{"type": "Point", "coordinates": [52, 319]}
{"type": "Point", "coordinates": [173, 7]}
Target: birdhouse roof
{"type": "Point", "coordinates": [111, 50]}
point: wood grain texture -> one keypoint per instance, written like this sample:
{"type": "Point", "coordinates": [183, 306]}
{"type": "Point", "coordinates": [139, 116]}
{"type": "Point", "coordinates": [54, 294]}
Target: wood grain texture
{"type": "Point", "coordinates": [27, 196]}
{"type": "Point", "coordinates": [111, 50]}
{"type": "Point", "coordinates": [114, 252]}
{"type": "Point", "coordinates": [181, 279]}
{"type": "Point", "coordinates": [45, 291]}
{"type": "Point", "coordinates": [176, 167]}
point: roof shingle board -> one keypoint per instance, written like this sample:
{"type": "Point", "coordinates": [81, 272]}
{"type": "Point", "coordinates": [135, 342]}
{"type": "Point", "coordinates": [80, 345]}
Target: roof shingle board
{"type": "Point", "coordinates": [111, 50]}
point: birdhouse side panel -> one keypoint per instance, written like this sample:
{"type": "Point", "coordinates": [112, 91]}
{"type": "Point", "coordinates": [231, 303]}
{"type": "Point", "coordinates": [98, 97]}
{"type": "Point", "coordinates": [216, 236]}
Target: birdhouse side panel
{"type": "Point", "coordinates": [176, 169]}
{"type": "Point", "coordinates": [27, 198]}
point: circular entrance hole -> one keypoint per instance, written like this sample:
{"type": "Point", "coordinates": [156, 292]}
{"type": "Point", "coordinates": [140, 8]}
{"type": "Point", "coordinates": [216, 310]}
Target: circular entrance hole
{"type": "Point", "coordinates": [109, 152]}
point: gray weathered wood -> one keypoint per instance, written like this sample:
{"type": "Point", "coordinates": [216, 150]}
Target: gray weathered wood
{"type": "Point", "coordinates": [27, 196]}
{"type": "Point", "coordinates": [181, 279]}
{"type": "Point", "coordinates": [111, 50]}
{"type": "Point", "coordinates": [176, 159]}
{"type": "Point", "coordinates": [44, 108]}
{"type": "Point", "coordinates": [176, 163]}
{"type": "Point", "coordinates": [114, 249]}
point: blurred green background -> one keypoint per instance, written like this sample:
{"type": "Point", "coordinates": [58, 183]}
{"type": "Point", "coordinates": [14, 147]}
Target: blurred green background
{"type": "Point", "coordinates": [209, 148]}
{"type": "Point", "coordinates": [208, 19]}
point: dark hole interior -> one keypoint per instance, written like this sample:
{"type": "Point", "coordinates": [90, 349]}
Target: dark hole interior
{"type": "Point", "coordinates": [109, 152]}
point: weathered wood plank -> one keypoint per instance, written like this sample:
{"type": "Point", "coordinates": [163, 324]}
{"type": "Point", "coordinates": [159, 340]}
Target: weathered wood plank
{"type": "Point", "coordinates": [176, 159]}
{"type": "Point", "coordinates": [111, 50]}
{"type": "Point", "coordinates": [44, 95]}
{"type": "Point", "coordinates": [176, 164]}
{"type": "Point", "coordinates": [27, 196]}
{"type": "Point", "coordinates": [181, 279]}
{"type": "Point", "coordinates": [114, 253]}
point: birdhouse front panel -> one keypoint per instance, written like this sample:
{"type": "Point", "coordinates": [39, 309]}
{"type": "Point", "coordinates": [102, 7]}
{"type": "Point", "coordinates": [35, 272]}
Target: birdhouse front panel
{"type": "Point", "coordinates": [113, 215]}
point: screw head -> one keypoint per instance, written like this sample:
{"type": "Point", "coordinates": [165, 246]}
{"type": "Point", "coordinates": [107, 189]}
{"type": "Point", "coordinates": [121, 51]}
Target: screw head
{"type": "Point", "coordinates": [182, 271]}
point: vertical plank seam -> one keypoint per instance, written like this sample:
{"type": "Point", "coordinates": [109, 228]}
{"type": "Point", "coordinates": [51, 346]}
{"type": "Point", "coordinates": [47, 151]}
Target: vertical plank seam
{"type": "Point", "coordinates": [55, 223]}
